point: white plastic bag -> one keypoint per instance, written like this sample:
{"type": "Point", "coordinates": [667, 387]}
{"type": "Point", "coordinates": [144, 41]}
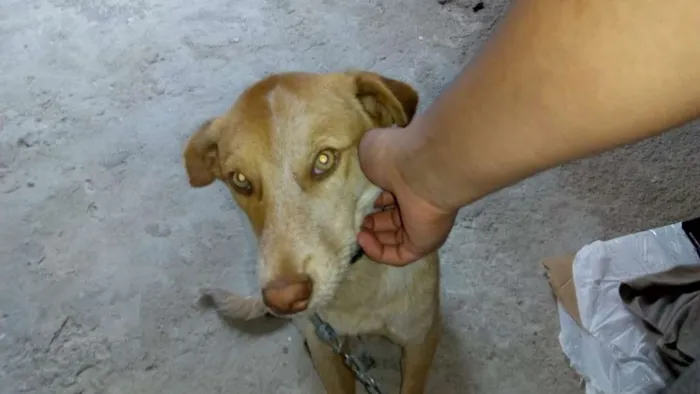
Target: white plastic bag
{"type": "Point", "coordinates": [614, 352]}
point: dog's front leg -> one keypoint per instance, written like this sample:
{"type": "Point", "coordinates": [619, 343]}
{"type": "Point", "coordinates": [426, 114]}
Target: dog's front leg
{"type": "Point", "coordinates": [416, 360]}
{"type": "Point", "coordinates": [337, 378]}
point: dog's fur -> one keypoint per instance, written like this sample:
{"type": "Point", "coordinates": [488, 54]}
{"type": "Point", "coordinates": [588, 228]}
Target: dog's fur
{"type": "Point", "coordinates": [306, 225]}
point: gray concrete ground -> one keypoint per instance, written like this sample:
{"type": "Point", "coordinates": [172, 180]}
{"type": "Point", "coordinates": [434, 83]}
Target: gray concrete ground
{"type": "Point", "coordinates": [103, 245]}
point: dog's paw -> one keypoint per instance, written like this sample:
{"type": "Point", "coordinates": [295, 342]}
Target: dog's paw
{"type": "Point", "coordinates": [232, 306]}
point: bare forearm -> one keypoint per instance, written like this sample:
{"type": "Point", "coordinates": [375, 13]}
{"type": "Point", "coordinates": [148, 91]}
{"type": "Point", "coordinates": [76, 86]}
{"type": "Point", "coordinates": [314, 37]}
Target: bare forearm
{"type": "Point", "coordinates": [559, 80]}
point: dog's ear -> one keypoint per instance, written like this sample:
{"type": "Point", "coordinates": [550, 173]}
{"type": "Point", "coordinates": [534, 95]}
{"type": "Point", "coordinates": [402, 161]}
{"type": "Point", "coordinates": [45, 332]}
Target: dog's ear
{"type": "Point", "coordinates": [386, 100]}
{"type": "Point", "coordinates": [201, 154]}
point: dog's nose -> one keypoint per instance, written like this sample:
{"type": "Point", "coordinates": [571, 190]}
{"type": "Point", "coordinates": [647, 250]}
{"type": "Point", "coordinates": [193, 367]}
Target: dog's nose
{"type": "Point", "coordinates": [288, 295]}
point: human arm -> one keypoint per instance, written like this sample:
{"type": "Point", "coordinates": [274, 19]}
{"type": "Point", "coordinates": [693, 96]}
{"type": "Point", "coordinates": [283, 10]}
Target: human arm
{"type": "Point", "coordinates": [558, 81]}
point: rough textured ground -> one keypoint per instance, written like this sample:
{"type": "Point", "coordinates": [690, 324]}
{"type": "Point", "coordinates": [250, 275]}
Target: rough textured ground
{"type": "Point", "coordinates": [103, 246]}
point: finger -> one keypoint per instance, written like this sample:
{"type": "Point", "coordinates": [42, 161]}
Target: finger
{"type": "Point", "coordinates": [390, 237]}
{"type": "Point", "coordinates": [384, 200]}
{"type": "Point", "coordinates": [396, 255]}
{"type": "Point", "coordinates": [383, 221]}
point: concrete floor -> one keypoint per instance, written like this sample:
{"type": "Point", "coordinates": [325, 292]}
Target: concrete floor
{"type": "Point", "coordinates": [103, 245]}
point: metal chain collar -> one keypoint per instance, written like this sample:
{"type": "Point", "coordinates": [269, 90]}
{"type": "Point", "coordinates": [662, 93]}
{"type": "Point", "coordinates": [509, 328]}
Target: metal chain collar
{"type": "Point", "coordinates": [359, 365]}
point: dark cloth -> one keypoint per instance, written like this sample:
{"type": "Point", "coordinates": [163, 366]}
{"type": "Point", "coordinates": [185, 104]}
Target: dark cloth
{"type": "Point", "coordinates": [669, 304]}
{"type": "Point", "coordinates": [688, 382]}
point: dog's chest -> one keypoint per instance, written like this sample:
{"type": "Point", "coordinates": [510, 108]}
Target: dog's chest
{"type": "Point", "coordinates": [357, 307]}
{"type": "Point", "coordinates": [357, 322]}
{"type": "Point", "coordinates": [381, 300]}
{"type": "Point", "coordinates": [397, 319]}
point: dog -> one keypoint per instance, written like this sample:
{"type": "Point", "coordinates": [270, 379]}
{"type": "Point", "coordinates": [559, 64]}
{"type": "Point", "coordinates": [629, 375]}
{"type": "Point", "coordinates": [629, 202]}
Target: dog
{"type": "Point", "coordinates": [287, 151]}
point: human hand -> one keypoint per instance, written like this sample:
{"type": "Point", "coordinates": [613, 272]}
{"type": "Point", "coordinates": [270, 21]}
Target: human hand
{"type": "Point", "coordinates": [408, 226]}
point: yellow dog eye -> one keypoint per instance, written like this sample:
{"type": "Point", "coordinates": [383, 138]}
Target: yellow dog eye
{"type": "Point", "coordinates": [325, 161]}
{"type": "Point", "coordinates": [241, 183]}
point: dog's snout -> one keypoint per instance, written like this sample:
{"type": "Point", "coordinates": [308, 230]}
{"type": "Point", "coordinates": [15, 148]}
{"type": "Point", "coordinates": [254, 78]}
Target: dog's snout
{"type": "Point", "coordinates": [288, 295]}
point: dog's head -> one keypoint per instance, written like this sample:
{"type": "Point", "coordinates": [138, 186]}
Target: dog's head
{"type": "Point", "coordinates": [287, 150]}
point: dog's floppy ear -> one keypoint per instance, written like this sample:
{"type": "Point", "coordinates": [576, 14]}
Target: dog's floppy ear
{"type": "Point", "coordinates": [201, 156]}
{"type": "Point", "coordinates": [386, 100]}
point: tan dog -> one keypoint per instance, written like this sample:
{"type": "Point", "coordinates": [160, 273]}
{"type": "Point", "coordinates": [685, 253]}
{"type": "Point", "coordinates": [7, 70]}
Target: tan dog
{"type": "Point", "coordinates": [287, 150]}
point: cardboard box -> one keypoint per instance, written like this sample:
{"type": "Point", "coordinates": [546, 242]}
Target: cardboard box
{"type": "Point", "coordinates": [561, 279]}
{"type": "Point", "coordinates": [560, 274]}
{"type": "Point", "coordinates": [614, 351]}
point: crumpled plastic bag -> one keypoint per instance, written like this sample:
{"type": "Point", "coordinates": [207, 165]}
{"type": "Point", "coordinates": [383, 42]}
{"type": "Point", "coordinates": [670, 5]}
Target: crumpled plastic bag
{"type": "Point", "coordinates": [614, 352]}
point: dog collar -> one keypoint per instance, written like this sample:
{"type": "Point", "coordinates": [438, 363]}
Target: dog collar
{"type": "Point", "coordinates": [357, 256]}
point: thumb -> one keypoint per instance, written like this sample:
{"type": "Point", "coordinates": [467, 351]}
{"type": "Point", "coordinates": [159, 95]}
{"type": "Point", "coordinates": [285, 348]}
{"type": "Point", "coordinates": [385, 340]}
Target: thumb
{"type": "Point", "coordinates": [374, 153]}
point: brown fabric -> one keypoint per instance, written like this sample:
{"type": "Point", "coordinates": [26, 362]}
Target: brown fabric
{"type": "Point", "coordinates": [669, 303]}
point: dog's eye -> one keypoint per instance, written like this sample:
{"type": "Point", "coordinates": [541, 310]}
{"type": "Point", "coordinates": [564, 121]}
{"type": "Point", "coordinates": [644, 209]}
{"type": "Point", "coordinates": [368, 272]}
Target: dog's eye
{"type": "Point", "coordinates": [325, 161]}
{"type": "Point", "coordinates": [241, 183]}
